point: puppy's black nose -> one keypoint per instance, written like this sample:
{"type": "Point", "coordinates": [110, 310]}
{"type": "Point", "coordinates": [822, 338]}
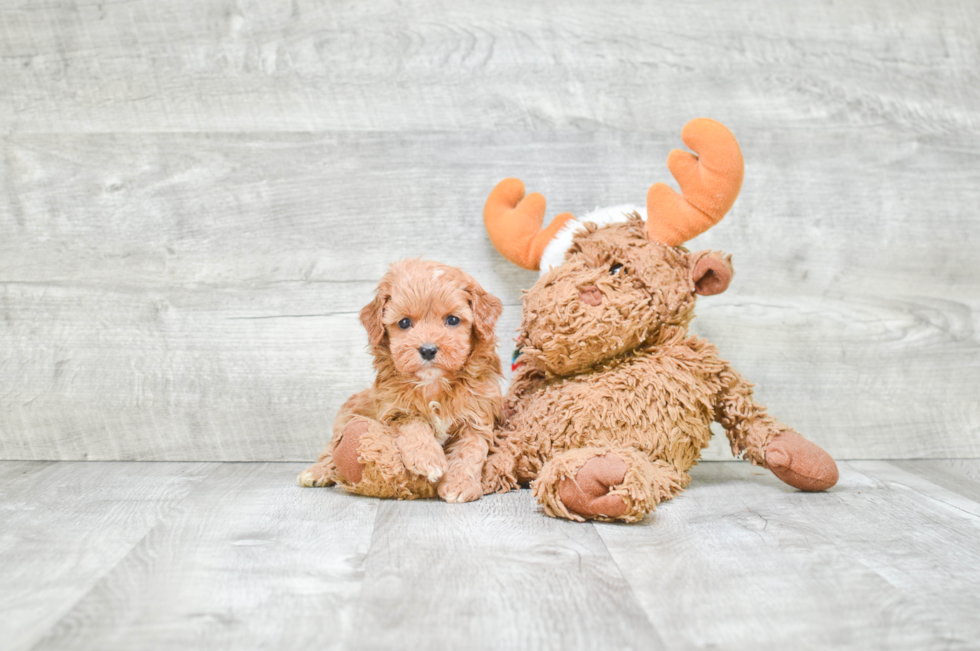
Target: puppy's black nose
{"type": "Point", "coordinates": [428, 352]}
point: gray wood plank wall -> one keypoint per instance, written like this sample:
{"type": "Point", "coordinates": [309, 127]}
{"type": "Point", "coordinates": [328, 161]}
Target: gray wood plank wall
{"type": "Point", "coordinates": [198, 197]}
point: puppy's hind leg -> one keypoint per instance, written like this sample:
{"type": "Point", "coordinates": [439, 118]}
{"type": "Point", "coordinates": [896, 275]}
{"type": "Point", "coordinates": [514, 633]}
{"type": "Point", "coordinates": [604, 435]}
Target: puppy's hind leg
{"type": "Point", "coordinates": [321, 473]}
{"type": "Point", "coordinates": [324, 472]}
{"type": "Point", "coordinates": [369, 463]}
{"type": "Point", "coordinates": [339, 462]}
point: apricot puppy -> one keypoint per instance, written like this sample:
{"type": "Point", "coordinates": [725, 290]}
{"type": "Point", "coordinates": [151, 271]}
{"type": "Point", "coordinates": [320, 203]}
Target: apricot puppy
{"type": "Point", "coordinates": [425, 426]}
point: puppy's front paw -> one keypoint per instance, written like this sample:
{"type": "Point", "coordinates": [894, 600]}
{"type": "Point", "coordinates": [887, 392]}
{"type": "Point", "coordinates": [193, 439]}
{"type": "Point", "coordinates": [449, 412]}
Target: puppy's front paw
{"type": "Point", "coordinates": [460, 487]}
{"type": "Point", "coordinates": [420, 451]}
{"type": "Point", "coordinates": [318, 474]}
{"type": "Point", "coordinates": [428, 464]}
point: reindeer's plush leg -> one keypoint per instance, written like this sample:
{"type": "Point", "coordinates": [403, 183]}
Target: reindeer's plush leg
{"type": "Point", "coordinates": [605, 484]}
{"type": "Point", "coordinates": [515, 459]}
{"type": "Point", "coordinates": [515, 452]}
{"type": "Point", "coordinates": [767, 442]}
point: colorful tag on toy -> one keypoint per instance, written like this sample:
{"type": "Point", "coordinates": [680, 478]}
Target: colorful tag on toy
{"type": "Point", "coordinates": [517, 353]}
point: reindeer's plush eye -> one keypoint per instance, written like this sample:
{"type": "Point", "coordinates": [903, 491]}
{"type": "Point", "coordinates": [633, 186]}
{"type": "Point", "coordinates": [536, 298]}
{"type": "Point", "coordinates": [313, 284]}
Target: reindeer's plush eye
{"type": "Point", "coordinates": [615, 269]}
{"type": "Point", "coordinates": [452, 320]}
{"type": "Point", "coordinates": [405, 323]}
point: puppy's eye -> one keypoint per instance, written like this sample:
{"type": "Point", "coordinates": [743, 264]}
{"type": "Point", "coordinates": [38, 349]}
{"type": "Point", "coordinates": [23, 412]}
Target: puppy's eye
{"type": "Point", "coordinates": [405, 323]}
{"type": "Point", "coordinates": [452, 320]}
{"type": "Point", "coordinates": [615, 269]}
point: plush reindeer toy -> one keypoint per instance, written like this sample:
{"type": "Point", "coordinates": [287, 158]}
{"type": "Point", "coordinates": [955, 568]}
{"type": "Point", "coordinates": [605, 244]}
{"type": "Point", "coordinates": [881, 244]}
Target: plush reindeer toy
{"type": "Point", "coordinates": [612, 397]}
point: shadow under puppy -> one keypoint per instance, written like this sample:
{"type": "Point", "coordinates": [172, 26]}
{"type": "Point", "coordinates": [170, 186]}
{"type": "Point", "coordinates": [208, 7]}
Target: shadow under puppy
{"type": "Point", "coordinates": [425, 426]}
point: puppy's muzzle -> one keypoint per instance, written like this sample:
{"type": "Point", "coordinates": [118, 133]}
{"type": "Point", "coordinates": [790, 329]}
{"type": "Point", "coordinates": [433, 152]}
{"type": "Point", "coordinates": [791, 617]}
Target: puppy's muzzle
{"type": "Point", "coordinates": [428, 352]}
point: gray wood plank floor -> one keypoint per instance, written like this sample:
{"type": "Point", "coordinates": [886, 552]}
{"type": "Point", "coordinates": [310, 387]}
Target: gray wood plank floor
{"type": "Point", "coordinates": [127, 555]}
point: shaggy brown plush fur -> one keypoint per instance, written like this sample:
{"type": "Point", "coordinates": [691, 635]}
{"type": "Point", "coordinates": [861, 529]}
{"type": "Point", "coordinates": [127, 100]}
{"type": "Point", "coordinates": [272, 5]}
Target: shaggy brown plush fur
{"type": "Point", "coordinates": [424, 427]}
{"type": "Point", "coordinates": [611, 404]}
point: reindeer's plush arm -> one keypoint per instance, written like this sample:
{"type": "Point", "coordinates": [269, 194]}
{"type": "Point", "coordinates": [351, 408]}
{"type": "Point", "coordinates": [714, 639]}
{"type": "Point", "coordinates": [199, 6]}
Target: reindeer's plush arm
{"type": "Point", "coordinates": [765, 441]}
{"type": "Point", "coordinates": [752, 431]}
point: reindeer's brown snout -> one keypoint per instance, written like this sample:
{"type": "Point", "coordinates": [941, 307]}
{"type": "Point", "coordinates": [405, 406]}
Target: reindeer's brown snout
{"type": "Point", "coordinates": [590, 295]}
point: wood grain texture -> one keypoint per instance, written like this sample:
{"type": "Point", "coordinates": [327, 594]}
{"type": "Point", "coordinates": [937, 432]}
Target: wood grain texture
{"type": "Point", "coordinates": [66, 525]}
{"type": "Point", "coordinates": [301, 65]}
{"type": "Point", "coordinates": [884, 560]}
{"type": "Point", "coordinates": [493, 574]}
{"type": "Point", "coordinates": [248, 560]}
{"type": "Point", "coordinates": [958, 475]}
{"type": "Point", "coordinates": [177, 322]}
{"type": "Point", "coordinates": [199, 196]}
{"type": "Point", "coordinates": [177, 556]}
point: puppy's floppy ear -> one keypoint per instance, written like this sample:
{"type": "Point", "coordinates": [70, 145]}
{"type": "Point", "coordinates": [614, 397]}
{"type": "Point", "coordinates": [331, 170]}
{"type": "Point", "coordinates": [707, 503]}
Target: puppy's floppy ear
{"type": "Point", "coordinates": [486, 310]}
{"type": "Point", "coordinates": [711, 272]}
{"type": "Point", "coordinates": [372, 312]}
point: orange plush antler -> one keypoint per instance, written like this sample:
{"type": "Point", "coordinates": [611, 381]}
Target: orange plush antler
{"type": "Point", "coordinates": [514, 221]}
{"type": "Point", "coordinates": [709, 182]}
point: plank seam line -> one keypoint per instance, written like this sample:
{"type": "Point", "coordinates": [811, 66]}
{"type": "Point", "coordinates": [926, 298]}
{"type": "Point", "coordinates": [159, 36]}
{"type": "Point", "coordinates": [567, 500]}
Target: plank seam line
{"type": "Point", "coordinates": [360, 609]}
{"type": "Point", "coordinates": [299, 316]}
{"type": "Point", "coordinates": [287, 316]}
{"type": "Point", "coordinates": [68, 610]}
{"type": "Point", "coordinates": [926, 496]}
{"type": "Point", "coordinates": [629, 588]}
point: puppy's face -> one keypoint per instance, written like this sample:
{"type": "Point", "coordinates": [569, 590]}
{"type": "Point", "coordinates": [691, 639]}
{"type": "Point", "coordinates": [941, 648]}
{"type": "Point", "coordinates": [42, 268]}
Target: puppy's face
{"type": "Point", "coordinates": [429, 326]}
{"type": "Point", "coordinates": [428, 317]}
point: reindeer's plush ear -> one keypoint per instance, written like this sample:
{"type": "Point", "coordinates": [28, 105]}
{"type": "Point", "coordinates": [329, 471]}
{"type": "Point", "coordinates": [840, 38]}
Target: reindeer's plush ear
{"type": "Point", "coordinates": [711, 272]}
{"type": "Point", "coordinates": [486, 310]}
{"type": "Point", "coordinates": [372, 313]}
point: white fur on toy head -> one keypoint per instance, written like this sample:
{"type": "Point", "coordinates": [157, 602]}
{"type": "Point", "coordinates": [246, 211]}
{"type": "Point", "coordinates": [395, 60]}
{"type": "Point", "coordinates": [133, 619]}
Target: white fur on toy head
{"type": "Point", "coordinates": [554, 253]}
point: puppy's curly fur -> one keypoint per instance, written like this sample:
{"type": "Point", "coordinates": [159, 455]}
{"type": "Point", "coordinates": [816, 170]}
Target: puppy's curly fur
{"type": "Point", "coordinates": [425, 426]}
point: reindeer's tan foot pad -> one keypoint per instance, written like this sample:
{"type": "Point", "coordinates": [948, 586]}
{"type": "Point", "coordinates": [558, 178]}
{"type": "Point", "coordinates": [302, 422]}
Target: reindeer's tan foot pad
{"type": "Point", "coordinates": [800, 463]}
{"type": "Point", "coordinates": [587, 493]}
{"type": "Point", "coordinates": [604, 484]}
{"type": "Point", "coordinates": [345, 453]}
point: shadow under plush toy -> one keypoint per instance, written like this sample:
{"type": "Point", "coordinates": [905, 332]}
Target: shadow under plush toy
{"type": "Point", "coordinates": [612, 397]}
